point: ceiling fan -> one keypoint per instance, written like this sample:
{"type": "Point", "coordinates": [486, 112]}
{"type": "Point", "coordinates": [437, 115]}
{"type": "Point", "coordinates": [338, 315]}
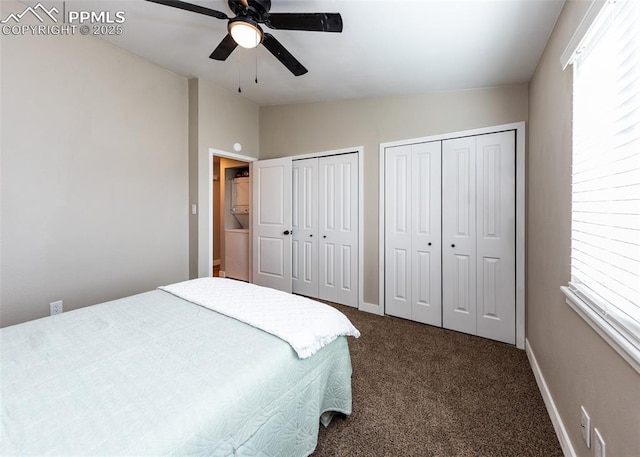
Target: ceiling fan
{"type": "Point", "coordinates": [244, 29]}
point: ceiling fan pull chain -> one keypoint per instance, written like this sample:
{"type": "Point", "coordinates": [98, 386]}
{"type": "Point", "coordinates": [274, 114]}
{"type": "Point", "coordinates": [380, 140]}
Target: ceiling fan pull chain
{"type": "Point", "coordinates": [255, 52]}
{"type": "Point", "coordinates": [238, 61]}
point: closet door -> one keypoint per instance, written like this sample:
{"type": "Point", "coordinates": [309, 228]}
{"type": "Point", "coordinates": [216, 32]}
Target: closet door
{"type": "Point", "coordinates": [305, 227]}
{"type": "Point", "coordinates": [478, 228]}
{"type": "Point", "coordinates": [426, 247]}
{"type": "Point", "coordinates": [412, 232]}
{"type": "Point", "coordinates": [338, 228]}
{"type": "Point", "coordinates": [397, 256]}
{"type": "Point", "coordinates": [496, 236]}
{"type": "Point", "coordinates": [459, 234]}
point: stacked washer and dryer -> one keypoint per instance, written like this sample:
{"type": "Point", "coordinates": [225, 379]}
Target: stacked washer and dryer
{"type": "Point", "coordinates": [236, 238]}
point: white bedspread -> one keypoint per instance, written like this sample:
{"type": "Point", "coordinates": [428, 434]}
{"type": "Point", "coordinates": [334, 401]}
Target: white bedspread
{"type": "Point", "coordinates": [307, 325]}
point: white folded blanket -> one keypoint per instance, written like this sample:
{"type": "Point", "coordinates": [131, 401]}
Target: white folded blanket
{"type": "Point", "coordinates": [307, 325]}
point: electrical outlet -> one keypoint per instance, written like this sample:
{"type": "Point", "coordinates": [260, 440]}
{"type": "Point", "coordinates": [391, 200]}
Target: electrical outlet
{"type": "Point", "coordinates": [55, 307]}
{"type": "Point", "coordinates": [600, 446]}
{"type": "Point", "coordinates": [585, 424]}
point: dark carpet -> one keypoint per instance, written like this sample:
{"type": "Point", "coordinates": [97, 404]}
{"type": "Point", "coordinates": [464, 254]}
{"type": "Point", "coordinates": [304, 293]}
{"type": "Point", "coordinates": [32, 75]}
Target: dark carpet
{"type": "Point", "coordinates": [425, 391]}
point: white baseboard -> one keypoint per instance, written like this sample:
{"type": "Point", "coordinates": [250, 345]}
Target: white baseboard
{"type": "Point", "coordinates": [556, 420]}
{"type": "Point", "coordinates": [222, 274]}
{"type": "Point", "coordinates": [371, 308]}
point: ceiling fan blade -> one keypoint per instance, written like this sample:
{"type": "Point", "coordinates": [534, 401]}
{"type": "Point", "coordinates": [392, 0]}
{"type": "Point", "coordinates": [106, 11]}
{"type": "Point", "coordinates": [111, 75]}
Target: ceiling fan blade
{"type": "Point", "coordinates": [190, 7]}
{"type": "Point", "coordinates": [224, 49]}
{"type": "Point", "coordinates": [283, 55]}
{"type": "Point", "coordinates": [313, 22]}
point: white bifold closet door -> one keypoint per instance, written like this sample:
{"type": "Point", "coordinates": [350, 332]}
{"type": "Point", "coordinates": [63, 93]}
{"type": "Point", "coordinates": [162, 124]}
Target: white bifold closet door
{"type": "Point", "coordinates": [478, 235]}
{"type": "Point", "coordinates": [412, 232]}
{"type": "Point", "coordinates": [305, 227]}
{"type": "Point", "coordinates": [338, 228]}
{"type": "Point", "coordinates": [325, 228]}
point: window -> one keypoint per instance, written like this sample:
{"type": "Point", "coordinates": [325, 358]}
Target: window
{"type": "Point", "coordinates": [605, 225]}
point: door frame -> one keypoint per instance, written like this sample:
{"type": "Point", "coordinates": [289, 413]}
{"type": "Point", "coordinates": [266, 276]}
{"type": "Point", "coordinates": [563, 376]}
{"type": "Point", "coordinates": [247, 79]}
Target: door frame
{"type": "Point", "coordinates": [519, 128]}
{"type": "Point", "coordinates": [227, 155]}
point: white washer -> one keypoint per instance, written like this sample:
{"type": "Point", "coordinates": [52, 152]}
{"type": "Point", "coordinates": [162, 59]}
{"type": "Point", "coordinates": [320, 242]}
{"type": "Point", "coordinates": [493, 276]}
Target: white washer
{"type": "Point", "coordinates": [236, 253]}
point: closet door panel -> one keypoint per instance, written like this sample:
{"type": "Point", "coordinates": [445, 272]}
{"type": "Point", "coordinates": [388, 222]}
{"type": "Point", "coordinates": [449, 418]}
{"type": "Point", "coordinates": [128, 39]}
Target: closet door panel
{"type": "Point", "coordinates": [426, 233]}
{"type": "Point", "coordinates": [327, 199]}
{"type": "Point", "coordinates": [397, 265]}
{"type": "Point", "coordinates": [459, 234]}
{"type": "Point", "coordinates": [305, 227]}
{"type": "Point", "coordinates": [295, 223]}
{"type": "Point", "coordinates": [496, 236]}
{"type": "Point", "coordinates": [347, 225]}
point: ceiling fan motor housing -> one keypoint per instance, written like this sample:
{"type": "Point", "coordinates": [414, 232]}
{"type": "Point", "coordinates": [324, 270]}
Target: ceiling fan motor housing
{"type": "Point", "coordinates": [258, 7]}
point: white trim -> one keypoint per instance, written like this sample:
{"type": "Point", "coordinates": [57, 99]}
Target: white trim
{"type": "Point", "coordinates": [519, 128]}
{"type": "Point", "coordinates": [619, 343]}
{"type": "Point", "coordinates": [334, 152]}
{"type": "Point", "coordinates": [521, 234]}
{"type": "Point", "coordinates": [361, 304]}
{"type": "Point", "coordinates": [452, 135]}
{"type": "Point", "coordinates": [228, 155]}
{"type": "Point", "coordinates": [552, 409]}
{"type": "Point", "coordinates": [371, 308]}
{"type": "Point", "coordinates": [568, 56]}
{"type": "Point", "coordinates": [381, 225]}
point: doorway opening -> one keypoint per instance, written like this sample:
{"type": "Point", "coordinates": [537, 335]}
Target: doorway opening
{"type": "Point", "coordinates": [230, 215]}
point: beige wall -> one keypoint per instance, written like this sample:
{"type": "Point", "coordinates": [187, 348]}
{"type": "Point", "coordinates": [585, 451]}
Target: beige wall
{"type": "Point", "coordinates": [579, 367]}
{"type": "Point", "coordinates": [218, 120]}
{"type": "Point", "coordinates": [315, 127]}
{"type": "Point", "coordinates": [93, 174]}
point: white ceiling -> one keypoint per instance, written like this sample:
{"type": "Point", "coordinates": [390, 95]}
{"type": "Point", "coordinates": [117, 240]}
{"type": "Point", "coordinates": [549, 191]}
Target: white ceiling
{"type": "Point", "coordinates": [387, 47]}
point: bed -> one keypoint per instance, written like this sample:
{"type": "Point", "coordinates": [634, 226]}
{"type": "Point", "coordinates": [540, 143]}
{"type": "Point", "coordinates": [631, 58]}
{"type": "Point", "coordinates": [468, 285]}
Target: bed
{"type": "Point", "coordinates": [156, 374]}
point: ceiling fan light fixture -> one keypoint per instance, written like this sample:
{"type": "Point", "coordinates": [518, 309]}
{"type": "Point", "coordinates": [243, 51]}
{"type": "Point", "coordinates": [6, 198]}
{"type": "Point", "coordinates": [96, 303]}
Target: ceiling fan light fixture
{"type": "Point", "coordinates": [245, 33]}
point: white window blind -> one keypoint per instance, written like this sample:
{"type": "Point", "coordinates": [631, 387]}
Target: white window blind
{"type": "Point", "coordinates": [605, 229]}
